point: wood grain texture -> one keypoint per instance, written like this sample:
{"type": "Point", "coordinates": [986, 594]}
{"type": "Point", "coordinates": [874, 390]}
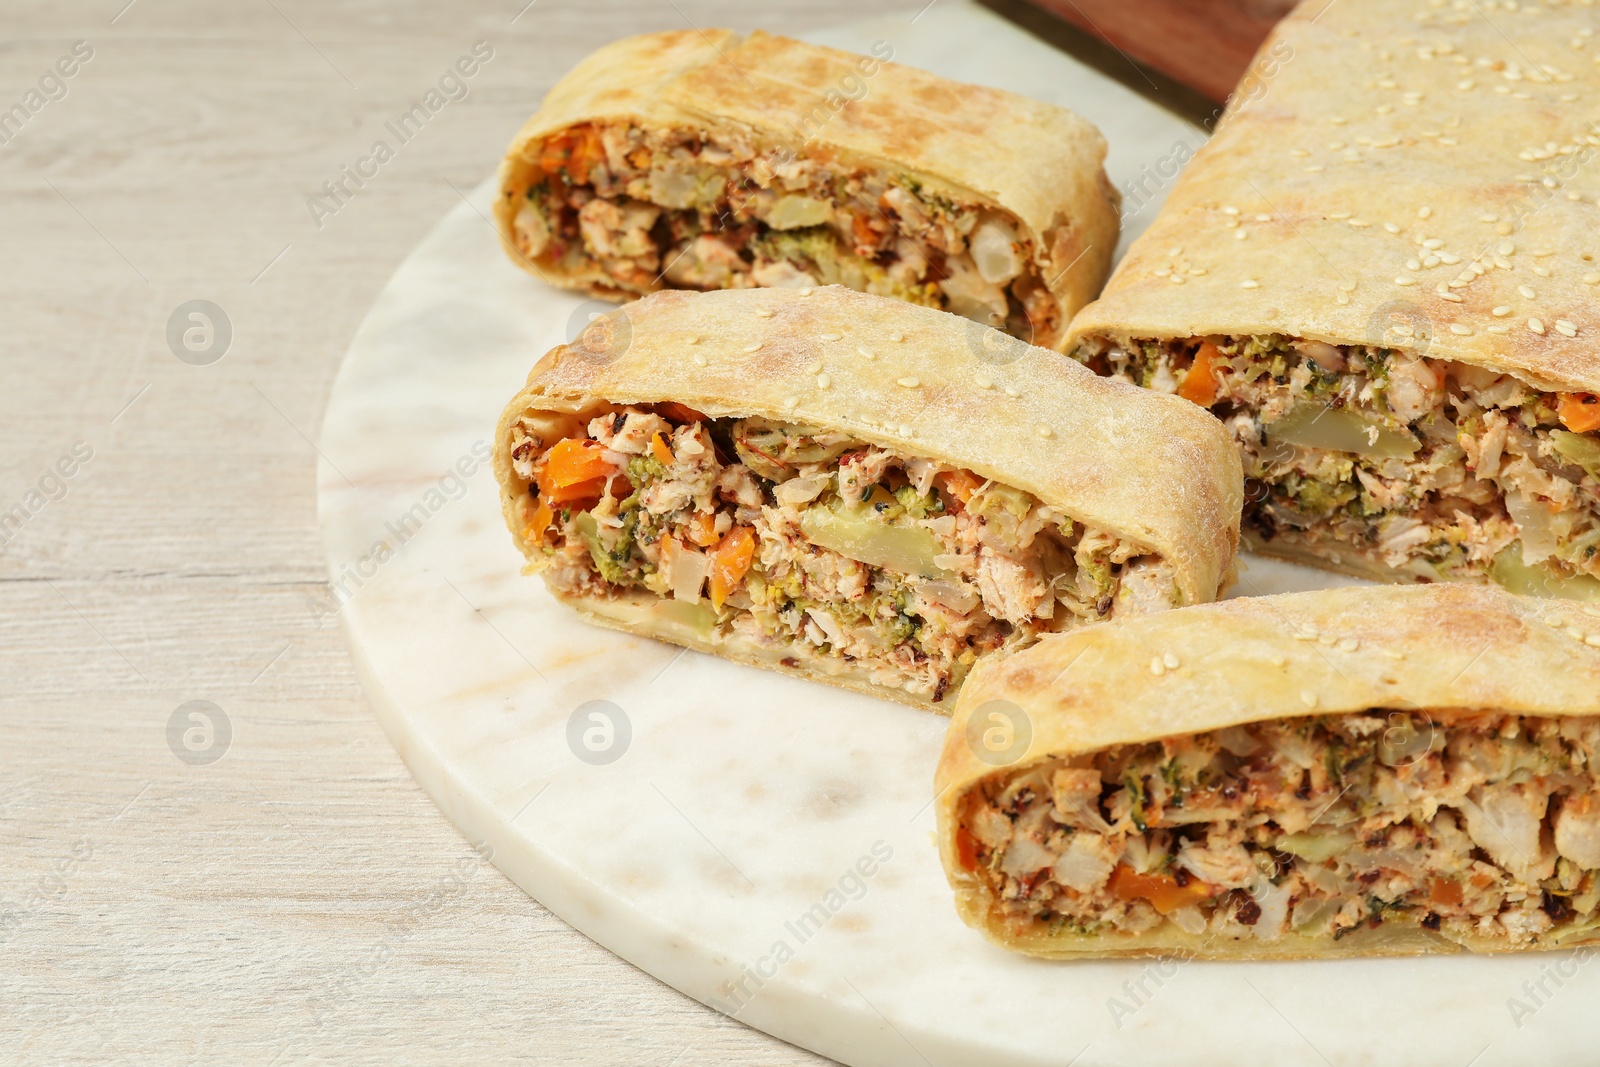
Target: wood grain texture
{"type": "Point", "coordinates": [300, 899]}
{"type": "Point", "coordinates": [1203, 44]}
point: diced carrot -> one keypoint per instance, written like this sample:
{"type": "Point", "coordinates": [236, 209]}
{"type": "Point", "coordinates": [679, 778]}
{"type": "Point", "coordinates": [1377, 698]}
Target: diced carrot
{"type": "Point", "coordinates": [539, 524]}
{"type": "Point", "coordinates": [680, 413]}
{"type": "Point", "coordinates": [661, 450]}
{"type": "Point", "coordinates": [966, 849]}
{"type": "Point", "coordinates": [960, 484]}
{"type": "Point", "coordinates": [574, 150]}
{"type": "Point", "coordinates": [703, 529]}
{"type": "Point", "coordinates": [865, 235]}
{"type": "Point", "coordinates": [1200, 384]}
{"type": "Point", "coordinates": [730, 562]}
{"type": "Point", "coordinates": [1580, 412]}
{"type": "Point", "coordinates": [575, 469]}
{"type": "Point", "coordinates": [1162, 891]}
{"type": "Point", "coordinates": [1445, 891]}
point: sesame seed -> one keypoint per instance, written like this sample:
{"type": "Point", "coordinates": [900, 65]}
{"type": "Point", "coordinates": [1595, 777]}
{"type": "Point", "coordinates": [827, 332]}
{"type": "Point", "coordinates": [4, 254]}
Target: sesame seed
{"type": "Point", "coordinates": [1360, 224]}
{"type": "Point", "coordinates": [1430, 260]}
{"type": "Point", "coordinates": [791, 402]}
{"type": "Point", "coordinates": [1502, 311]}
{"type": "Point", "coordinates": [1460, 330]}
{"type": "Point", "coordinates": [1499, 328]}
{"type": "Point", "coordinates": [866, 353]}
{"type": "Point", "coordinates": [905, 430]}
{"type": "Point", "coordinates": [1012, 393]}
{"type": "Point", "coordinates": [698, 360]}
{"type": "Point", "coordinates": [1592, 640]}
{"type": "Point", "coordinates": [1591, 279]}
{"type": "Point", "coordinates": [1567, 328]}
{"type": "Point", "coordinates": [897, 337]}
{"type": "Point", "coordinates": [1157, 668]}
{"type": "Point", "coordinates": [1391, 227]}
{"type": "Point", "coordinates": [1488, 218]}
{"type": "Point", "coordinates": [831, 336]}
{"type": "Point", "coordinates": [1502, 262]}
{"type": "Point", "coordinates": [763, 313]}
{"type": "Point", "coordinates": [1249, 283]}
{"type": "Point", "coordinates": [691, 340]}
{"type": "Point", "coordinates": [1424, 211]}
{"type": "Point", "coordinates": [1349, 644]}
{"type": "Point", "coordinates": [1308, 698]}
{"type": "Point", "coordinates": [1506, 248]}
{"type": "Point", "coordinates": [815, 368]}
{"type": "Point", "coordinates": [909, 383]}
{"type": "Point", "coordinates": [1229, 209]}
{"type": "Point", "coordinates": [1240, 234]}
{"type": "Point", "coordinates": [1170, 660]}
{"type": "Point", "coordinates": [1175, 250]}
{"type": "Point", "coordinates": [1327, 639]}
{"type": "Point", "coordinates": [1575, 633]}
{"type": "Point", "coordinates": [1413, 264]}
{"type": "Point", "coordinates": [1176, 279]}
{"type": "Point", "coordinates": [1339, 216]}
{"type": "Point", "coordinates": [1432, 243]}
{"type": "Point", "coordinates": [1405, 281]}
{"type": "Point", "coordinates": [1045, 431]}
{"type": "Point", "coordinates": [983, 383]}
{"type": "Point", "coordinates": [1341, 298]}
{"type": "Point", "coordinates": [1448, 259]}
{"type": "Point", "coordinates": [823, 381]}
{"type": "Point", "coordinates": [754, 346]}
{"type": "Point", "coordinates": [1347, 287]}
{"type": "Point", "coordinates": [1308, 634]}
{"type": "Point", "coordinates": [1537, 326]}
{"type": "Point", "coordinates": [806, 291]}
{"type": "Point", "coordinates": [1527, 291]}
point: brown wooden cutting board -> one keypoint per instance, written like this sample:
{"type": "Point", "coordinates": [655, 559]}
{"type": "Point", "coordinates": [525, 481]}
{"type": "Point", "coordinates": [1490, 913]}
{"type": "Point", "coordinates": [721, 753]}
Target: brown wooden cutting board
{"type": "Point", "coordinates": [1203, 44]}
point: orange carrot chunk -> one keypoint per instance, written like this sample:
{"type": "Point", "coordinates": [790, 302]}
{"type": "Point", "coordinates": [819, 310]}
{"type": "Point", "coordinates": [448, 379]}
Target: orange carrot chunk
{"type": "Point", "coordinates": [966, 849]}
{"type": "Point", "coordinates": [1580, 412]}
{"type": "Point", "coordinates": [1162, 891]}
{"type": "Point", "coordinates": [730, 562]}
{"type": "Point", "coordinates": [575, 469]}
{"type": "Point", "coordinates": [538, 524]}
{"type": "Point", "coordinates": [661, 450]}
{"type": "Point", "coordinates": [1200, 384]}
{"type": "Point", "coordinates": [960, 484]}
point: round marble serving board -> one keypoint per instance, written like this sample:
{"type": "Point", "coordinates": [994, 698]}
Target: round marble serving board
{"type": "Point", "coordinates": [761, 843]}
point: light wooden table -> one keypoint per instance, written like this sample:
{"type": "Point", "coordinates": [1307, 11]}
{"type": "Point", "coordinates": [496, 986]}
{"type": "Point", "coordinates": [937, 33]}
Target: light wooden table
{"type": "Point", "coordinates": [300, 898]}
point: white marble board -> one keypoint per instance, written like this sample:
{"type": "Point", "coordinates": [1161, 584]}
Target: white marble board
{"type": "Point", "coordinates": [738, 801]}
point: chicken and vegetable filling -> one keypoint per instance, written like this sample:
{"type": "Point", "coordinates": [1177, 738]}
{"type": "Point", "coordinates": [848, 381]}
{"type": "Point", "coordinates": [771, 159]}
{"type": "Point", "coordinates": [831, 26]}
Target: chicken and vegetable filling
{"type": "Point", "coordinates": [797, 544]}
{"type": "Point", "coordinates": [638, 209]}
{"type": "Point", "coordinates": [1364, 454]}
{"type": "Point", "coordinates": [1383, 822]}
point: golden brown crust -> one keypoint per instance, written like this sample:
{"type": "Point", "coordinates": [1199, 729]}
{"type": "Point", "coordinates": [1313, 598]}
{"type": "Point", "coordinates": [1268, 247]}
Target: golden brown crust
{"type": "Point", "coordinates": [1261, 658]}
{"type": "Point", "coordinates": [1039, 162]}
{"type": "Point", "coordinates": [1372, 124]}
{"type": "Point", "coordinates": [1151, 469]}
